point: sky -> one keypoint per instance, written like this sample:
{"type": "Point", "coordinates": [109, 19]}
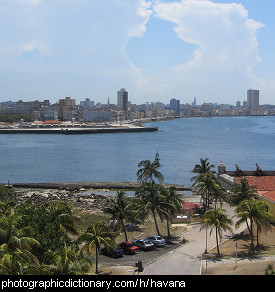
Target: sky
{"type": "Point", "coordinates": [211, 50]}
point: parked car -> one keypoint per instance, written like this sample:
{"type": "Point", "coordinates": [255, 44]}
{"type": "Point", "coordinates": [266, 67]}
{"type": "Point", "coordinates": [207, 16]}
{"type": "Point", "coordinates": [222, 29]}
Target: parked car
{"type": "Point", "coordinates": [114, 253]}
{"type": "Point", "coordinates": [128, 247]}
{"type": "Point", "coordinates": [157, 240]}
{"type": "Point", "coordinates": [144, 244]}
{"type": "Point", "coordinates": [132, 227]}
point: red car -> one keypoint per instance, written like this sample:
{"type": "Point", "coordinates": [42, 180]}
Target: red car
{"type": "Point", "coordinates": [128, 247]}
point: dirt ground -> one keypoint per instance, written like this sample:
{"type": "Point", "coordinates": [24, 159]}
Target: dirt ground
{"type": "Point", "coordinates": [228, 249]}
{"type": "Point", "coordinates": [255, 268]}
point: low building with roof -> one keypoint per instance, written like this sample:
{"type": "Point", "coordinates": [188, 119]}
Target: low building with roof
{"type": "Point", "coordinates": [262, 181]}
{"type": "Point", "coordinates": [191, 210]}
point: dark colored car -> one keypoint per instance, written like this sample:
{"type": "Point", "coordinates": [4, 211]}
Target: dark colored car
{"type": "Point", "coordinates": [132, 227]}
{"type": "Point", "coordinates": [128, 247]}
{"type": "Point", "coordinates": [114, 253]}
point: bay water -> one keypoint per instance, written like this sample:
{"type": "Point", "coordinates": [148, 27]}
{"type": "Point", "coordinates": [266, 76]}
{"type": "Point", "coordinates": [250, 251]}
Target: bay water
{"type": "Point", "coordinates": [245, 141]}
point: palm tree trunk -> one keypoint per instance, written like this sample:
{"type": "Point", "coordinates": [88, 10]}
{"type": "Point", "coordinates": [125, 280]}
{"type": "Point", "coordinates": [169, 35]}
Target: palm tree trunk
{"type": "Point", "coordinates": [217, 240]}
{"type": "Point", "coordinates": [155, 219]}
{"type": "Point", "coordinates": [168, 227]}
{"type": "Point", "coordinates": [258, 244]}
{"type": "Point", "coordinates": [124, 229]}
{"type": "Point", "coordinates": [96, 260]}
{"type": "Point", "coordinates": [251, 235]}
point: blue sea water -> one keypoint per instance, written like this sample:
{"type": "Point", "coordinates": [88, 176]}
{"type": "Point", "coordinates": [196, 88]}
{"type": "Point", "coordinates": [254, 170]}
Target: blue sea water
{"type": "Point", "coordinates": [115, 157]}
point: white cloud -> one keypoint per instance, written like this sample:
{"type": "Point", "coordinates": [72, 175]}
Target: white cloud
{"type": "Point", "coordinates": [225, 35]}
{"type": "Point", "coordinates": [68, 42]}
{"type": "Point", "coordinates": [226, 39]}
{"type": "Point", "coordinates": [143, 12]}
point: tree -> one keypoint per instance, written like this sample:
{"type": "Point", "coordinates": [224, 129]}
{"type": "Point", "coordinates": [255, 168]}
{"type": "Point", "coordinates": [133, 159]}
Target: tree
{"type": "Point", "coordinates": [6, 195]}
{"type": "Point", "coordinates": [242, 191]}
{"type": "Point", "coordinates": [252, 211]}
{"type": "Point", "coordinates": [216, 218]}
{"type": "Point", "coordinates": [174, 204]}
{"type": "Point", "coordinates": [263, 218]}
{"type": "Point", "coordinates": [207, 185]}
{"type": "Point", "coordinates": [151, 201]}
{"type": "Point", "coordinates": [149, 171]}
{"type": "Point", "coordinates": [201, 169]}
{"type": "Point", "coordinates": [119, 209]}
{"type": "Point", "coordinates": [50, 224]}
{"type": "Point", "coordinates": [96, 236]}
{"type": "Point", "coordinates": [15, 247]}
{"type": "Point", "coordinates": [67, 262]}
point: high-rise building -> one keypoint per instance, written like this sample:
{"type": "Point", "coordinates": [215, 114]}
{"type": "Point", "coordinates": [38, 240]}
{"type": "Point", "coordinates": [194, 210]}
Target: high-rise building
{"type": "Point", "coordinates": [122, 100]}
{"type": "Point", "coordinates": [65, 109]}
{"type": "Point", "coordinates": [194, 103]}
{"type": "Point", "coordinates": [253, 99]}
{"type": "Point", "coordinates": [175, 105]}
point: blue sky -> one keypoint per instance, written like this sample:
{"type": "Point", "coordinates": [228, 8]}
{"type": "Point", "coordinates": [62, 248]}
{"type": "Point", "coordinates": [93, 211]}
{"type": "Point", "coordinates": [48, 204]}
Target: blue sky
{"type": "Point", "coordinates": [157, 49]}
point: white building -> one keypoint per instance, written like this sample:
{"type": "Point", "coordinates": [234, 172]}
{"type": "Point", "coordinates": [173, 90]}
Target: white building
{"type": "Point", "coordinates": [122, 100]}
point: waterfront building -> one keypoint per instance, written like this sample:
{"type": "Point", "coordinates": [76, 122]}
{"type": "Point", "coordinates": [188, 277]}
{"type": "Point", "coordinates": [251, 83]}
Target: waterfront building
{"type": "Point", "coordinates": [207, 108]}
{"type": "Point", "coordinates": [122, 100]}
{"type": "Point", "coordinates": [66, 109]}
{"type": "Point", "coordinates": [194, 103]}
{"type": "Point", "coordinates": [253, 99]}
{"type": "Point", "coordinates": [96, 116]}
{"type": "Point", "coordinates": [87, 103]}
{"type": "Point", "coordinates": [175, 105]}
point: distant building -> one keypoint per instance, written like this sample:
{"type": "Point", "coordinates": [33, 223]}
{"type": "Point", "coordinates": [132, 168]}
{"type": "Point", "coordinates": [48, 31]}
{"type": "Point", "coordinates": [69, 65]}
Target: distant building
{"type": "Point", "coordinates": [66, 109]}
{"type": "Point", "coordinates": [208, 108]}
{"type": "Point", "coordinates": [253, 99]}
{"type": "Point", "coordinates": [194, 103]}
{"type": "Point", "coordinates": [87, 103]}
{"type": "Point", "coordinates": [175, 105]}
{"type": "Point", "coordinates": [122, 100]}
{"type": "Point", "coordinates": [96, 116]}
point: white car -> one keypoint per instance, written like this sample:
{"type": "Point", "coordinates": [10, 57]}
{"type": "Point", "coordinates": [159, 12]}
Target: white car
{"type": "Point", "coordinates": [144, 244]}
{"type": "Point", "coordinates": [157, 240]}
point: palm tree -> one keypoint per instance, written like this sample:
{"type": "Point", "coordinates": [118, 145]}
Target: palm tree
{"type": "Point", "coordinates": [67, 262]}
{"type": "Point", "coordinates": [216, 218]}
{"type": "Point", "coordinates": [263, 219]}
{"type": "Point", "coordinates": [119, 209]}
{"type": "Point", "coordinates": [174, 204]}
{"type": "Point", "coordinates": [150, 200]}
{"type": "Point", "coordinates": [61, 213]}
{"type": "Point", "coordinates": [96, 236]}
{"type": "Point", "coordinates": [15, 247]}
{"type": "Point", "coordinates": [208, 185]}
{"type": "Point", "coordinates": [242, 191]}
{"type": "Point", "coordinates": [202, 168]}
{"type": "Point", "coordinates": [251, 212]}
{"type": "Point", "coordinates": [149, 170]}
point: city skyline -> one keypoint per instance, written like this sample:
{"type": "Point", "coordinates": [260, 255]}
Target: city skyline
{"type": "Point", "coordinates": [213, 51]}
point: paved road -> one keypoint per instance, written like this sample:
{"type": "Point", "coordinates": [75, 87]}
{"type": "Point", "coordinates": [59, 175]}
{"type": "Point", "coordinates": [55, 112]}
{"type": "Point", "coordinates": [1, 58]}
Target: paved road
{"type": "Point", "coordinates": [186, 260]}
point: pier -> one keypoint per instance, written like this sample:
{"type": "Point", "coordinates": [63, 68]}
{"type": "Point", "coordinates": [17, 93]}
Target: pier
{"type": "Point", "coordinates": [78, 130]}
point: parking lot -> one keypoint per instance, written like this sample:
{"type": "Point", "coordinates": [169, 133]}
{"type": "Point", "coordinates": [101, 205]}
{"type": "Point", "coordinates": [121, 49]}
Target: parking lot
{"type": "Point", "coordinates": [144, 256]}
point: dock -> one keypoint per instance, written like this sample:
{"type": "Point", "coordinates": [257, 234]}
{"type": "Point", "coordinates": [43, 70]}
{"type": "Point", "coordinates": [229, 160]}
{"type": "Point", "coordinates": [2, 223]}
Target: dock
{"type": "Point", "coordinates": [78, 130]}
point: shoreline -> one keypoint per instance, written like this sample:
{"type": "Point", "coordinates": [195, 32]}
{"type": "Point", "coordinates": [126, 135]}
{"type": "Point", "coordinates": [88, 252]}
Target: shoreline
{"type": "Point", "coordinates": [78, 130]}
{"type": "Point", "coordinates": [76, 186]}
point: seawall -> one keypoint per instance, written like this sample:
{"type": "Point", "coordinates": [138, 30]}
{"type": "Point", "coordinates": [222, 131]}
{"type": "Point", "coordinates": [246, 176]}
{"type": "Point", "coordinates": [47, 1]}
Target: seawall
{"type": "Point", "coordinates": [74, 131]}
{"type": "Point", "coordinates": [89, 185]}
